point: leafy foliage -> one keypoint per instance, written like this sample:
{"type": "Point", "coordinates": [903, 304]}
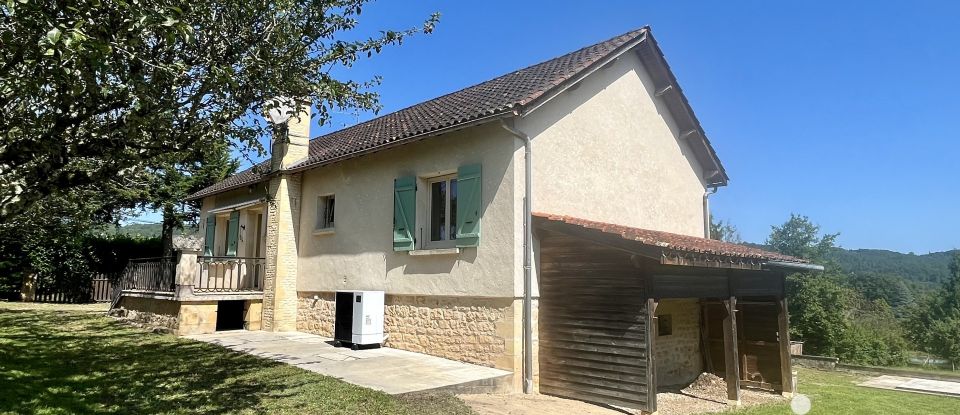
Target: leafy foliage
{"type": "Point", "coordinates": [52, 243]}
{"type": "Point", "coordinates": [801, 238]}
{"type": "Point", "coordinates": [95, 92]}
{"type": "Point", "coordinates": [927, 270]}
{"type": "Point", "coordinates": [828, 312]}
{"type": "Point", "coordinates": [934, 323]}
{"type": "Point", "coordinates": [724, 231]}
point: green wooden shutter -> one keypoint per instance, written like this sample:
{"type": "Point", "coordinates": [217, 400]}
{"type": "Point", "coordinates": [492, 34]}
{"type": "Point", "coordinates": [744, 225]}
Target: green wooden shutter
{"type": "Point", "coordinates": [468, 205]}
{"type": "Point", "coordinates": [233, 231]}
{"type": "Point", "coordinates": [404, 213]}
{"type": "Point", "coordinates": [211, 232]}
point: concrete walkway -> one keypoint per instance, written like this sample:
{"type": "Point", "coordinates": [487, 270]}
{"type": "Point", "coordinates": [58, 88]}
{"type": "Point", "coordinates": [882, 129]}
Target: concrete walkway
{"type": "Point", "coordinates": [390, 370]}
{"type": "Point", "coordinates": [934, 387]}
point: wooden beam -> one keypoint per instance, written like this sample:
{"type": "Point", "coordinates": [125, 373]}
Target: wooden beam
{"type": "Point", "coordinates": [783, 334]}
{"type": "Point", "coordinates": [705, 337]}
{"type": "Point", "coordinates": [651, 360]}
{"type": "Point", "coordinates": [731, 352]}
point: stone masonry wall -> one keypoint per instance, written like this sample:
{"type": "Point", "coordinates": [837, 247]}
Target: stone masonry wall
{"type": "Point", "coordinates": [678, 355]}
{"type": "Point", "coordinates": [473, 330]}
{"type": "Point", "coordinates": [148, 312]}
{"type": "Point", "coordinates": [280, 278]}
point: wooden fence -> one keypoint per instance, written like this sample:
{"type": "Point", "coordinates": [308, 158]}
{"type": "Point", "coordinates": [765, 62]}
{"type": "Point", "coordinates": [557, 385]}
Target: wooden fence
{"type": "Point", "coordinates": [99, 291]}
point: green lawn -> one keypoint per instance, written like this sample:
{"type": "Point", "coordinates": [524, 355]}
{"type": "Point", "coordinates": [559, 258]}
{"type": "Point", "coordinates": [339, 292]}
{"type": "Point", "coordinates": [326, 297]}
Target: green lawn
{"type": "Point", "coordinates": [838, 393]}
{"type": "Point", "coordinates": [63, 359]}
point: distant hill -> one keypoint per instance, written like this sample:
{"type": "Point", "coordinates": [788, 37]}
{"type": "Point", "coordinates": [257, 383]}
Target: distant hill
{"type": "Point", "coordinates": [932, 268]}
{"type": "Point", "coordinates": [147, 230]}
{"type": "Point", "coordinates": [925, 271]}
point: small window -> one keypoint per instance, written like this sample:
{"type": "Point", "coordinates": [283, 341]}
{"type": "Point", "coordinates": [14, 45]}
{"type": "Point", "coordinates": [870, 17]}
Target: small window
{"type": "Point", "coordinates": [325, 212]}
{"type": "Point", "coordinates": [664, 325]}
{"type": "Point", "coordinates": [443, 212]}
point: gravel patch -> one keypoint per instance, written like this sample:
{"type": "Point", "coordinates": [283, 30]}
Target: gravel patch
{"type": "Point", "coordinates": [708, 393]}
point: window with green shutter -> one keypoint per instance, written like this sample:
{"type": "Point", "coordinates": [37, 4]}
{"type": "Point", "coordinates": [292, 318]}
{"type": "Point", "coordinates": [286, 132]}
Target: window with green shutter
{"type": "Point", "coordinates": [233, 233]}
{"type": "Point", "coordinates": [469, 205]}
{"type": "Point", "coordinates": [404, 213]}
{"type": "Point", "coordinates": [211, 232]}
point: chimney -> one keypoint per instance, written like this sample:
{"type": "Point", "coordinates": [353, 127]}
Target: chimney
{"type": "Point", "coordinates": [291, 141]}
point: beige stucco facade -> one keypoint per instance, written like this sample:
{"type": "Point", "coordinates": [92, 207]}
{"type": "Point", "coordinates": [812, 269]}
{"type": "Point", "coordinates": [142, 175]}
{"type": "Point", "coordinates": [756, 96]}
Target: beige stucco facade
{"type": "Point", "coordinates": [359, 255]}
{"type": "Point", "coordinates": [608, 150]}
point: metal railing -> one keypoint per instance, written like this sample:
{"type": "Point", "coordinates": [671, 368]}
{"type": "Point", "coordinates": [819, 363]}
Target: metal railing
{"type": "Point", "coordinates": [150, 274]}
{"type": "Point", "coordinates": [229, 274]}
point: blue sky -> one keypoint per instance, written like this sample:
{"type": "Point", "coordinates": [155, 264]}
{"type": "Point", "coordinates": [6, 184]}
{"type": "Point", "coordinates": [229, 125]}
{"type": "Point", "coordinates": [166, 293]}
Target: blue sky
{"type": "Point", "coordinates": [840, 111]}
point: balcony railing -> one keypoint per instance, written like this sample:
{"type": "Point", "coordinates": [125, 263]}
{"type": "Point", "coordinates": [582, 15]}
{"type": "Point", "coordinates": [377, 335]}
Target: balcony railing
{"type": "Point", "coordinates": [150, 274]}
{"type": "Point", "coordinates": [229, 274]}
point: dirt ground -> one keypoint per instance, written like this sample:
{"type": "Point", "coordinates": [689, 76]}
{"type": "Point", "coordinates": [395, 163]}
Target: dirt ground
{"type": "Point", "coordinates": [706, 394]}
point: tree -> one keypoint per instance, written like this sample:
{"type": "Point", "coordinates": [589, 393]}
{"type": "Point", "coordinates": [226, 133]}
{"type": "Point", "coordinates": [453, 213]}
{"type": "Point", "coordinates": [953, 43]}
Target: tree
{"type": "Point", "coordinates": [724, 231]}
{"type": "Point", "coordinates": [183, 176]}
{"type": "Point", "coordinates": [801, 238]}
{"type": "Point", "coordinates": [934, 323]}
{"type": "Point", "coordinates": [818, 312]}
{"type": "Point", "coordinates": [102, 91]}
{"type": "Point", "coordinates": [829, 315]}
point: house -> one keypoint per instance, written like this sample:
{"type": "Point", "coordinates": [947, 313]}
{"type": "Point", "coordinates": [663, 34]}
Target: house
{"type": "Point", "coordinates": [607, 262]}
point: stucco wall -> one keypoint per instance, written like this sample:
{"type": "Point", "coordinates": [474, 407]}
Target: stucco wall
{"type": "Point", "coordinates": [359, 254]}
{"type": "Point", "coordinates": [678, 355]}
{"type": "Point", "coordinates": [608, 151]}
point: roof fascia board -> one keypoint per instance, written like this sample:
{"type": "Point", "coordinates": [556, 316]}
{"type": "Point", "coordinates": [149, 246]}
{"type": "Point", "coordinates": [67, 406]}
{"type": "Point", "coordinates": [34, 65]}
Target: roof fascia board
{"type": "Point", "coordinates": [664, 80]}
{"type": "Point", "coordinates": [263, 178]}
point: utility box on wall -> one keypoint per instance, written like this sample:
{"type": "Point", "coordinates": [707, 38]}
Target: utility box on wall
{"type": "Point", "coordinates": [359, 318]}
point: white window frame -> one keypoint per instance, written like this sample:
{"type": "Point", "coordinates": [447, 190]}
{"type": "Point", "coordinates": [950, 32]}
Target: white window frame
{"type": "Point", "coordinates": [428, 222]}
{"type": "Point", "coordinates": [318, 227]}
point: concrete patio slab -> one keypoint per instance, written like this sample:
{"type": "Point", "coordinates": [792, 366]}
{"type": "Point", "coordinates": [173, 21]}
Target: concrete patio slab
{"type": "Point", "coordinates": [390, 370]}
{"type": "Point", "coordinates": [908, 384]}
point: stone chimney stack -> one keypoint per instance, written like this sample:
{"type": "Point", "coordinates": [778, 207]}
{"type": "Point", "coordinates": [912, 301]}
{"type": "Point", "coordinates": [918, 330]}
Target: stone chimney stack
{"type": "Point", "coordinates": [291, 139]}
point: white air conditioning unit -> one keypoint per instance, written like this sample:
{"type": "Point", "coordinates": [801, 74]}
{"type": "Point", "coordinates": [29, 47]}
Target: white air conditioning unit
{"type": "Point", "coordinates": [359, 318]}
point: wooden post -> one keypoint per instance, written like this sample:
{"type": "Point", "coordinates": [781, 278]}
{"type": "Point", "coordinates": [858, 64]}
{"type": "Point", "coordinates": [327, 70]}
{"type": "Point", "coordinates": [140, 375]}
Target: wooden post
{"type": "Point", "coordinates": [705, 337]}
{"type": "Point", "coordinates": [651, 361]}
{"type": "Point", "coordinates": [731, 353]}
{"type": "Point", "coordinates": [783, 335]}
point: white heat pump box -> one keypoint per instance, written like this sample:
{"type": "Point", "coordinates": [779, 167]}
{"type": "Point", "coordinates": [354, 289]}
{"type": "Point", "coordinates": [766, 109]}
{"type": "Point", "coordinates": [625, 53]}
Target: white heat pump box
{"type": "Point", "coordinates": [359, 318]}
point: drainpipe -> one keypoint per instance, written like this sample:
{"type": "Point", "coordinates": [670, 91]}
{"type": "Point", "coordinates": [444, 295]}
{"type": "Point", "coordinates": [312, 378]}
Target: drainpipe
{"type": "Point", "coordinates": [706, 211]}
{"type": "Point", "coordinates": [527, 258]}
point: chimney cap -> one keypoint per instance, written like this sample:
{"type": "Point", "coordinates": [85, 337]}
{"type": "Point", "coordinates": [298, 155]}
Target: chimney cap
{"type": "Point", "coordinates": [280, 109]}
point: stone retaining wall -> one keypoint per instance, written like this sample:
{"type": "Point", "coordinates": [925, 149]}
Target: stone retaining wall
{"type": "Point", "coordinates": [466, 329]}
{"type": "Point", "coordinates": [149, 313]}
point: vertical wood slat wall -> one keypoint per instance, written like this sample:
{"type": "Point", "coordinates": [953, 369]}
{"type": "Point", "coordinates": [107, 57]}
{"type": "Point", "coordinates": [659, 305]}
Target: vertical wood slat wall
{"type": "Point", "coordinates": [593, 324]}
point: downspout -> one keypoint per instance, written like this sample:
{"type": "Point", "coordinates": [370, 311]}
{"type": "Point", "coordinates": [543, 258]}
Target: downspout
{"type": "Point", "coordinates": [527, 258]}
{"type": "Point", "coordinates": [706, 211]}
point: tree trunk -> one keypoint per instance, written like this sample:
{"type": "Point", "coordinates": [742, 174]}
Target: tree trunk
{"type": "Point", "coordinates": [169, 226]}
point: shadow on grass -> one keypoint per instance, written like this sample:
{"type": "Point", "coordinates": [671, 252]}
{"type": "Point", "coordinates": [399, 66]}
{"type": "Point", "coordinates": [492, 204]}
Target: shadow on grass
{"type": "Point", "coordinates": [75, 362]}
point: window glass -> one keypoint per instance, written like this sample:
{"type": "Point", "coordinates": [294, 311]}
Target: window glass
{"type": "Point", "coordinates": [325, 211]}
{"type": "Point", "coordinates": [438, 207]}
{"type": "Point", "coordinates": [443, 209]}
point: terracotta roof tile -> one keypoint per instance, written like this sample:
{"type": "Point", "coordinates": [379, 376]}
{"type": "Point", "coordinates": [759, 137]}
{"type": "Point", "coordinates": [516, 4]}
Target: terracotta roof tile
{"type": "Point", "coordinates": [501, 95]}
{"type": "Point", "coordinates": [673, 241]}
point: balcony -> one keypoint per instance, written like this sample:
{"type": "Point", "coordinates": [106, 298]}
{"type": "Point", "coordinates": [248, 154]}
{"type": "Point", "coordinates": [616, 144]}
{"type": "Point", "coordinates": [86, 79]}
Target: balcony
{"type": "Point", "coordinates": [192, 278]}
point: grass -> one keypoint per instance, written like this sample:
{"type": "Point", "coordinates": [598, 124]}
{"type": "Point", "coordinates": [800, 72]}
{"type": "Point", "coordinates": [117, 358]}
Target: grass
{"type": "Point", "coordinates": [65, 359]}
{"type": "Point", "coordinates": [838, 393]}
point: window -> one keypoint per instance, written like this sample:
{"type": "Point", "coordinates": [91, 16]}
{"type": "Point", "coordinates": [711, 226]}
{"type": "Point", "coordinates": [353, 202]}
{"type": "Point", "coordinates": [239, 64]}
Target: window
{"type": "Point", "coordinates": [325, 212]}
{"type": "Point", "coordinates": [664, 325]}
{"type": "Point", "coordinates": [443, 211]}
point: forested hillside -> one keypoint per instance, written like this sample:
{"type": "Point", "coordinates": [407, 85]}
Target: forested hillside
{"type": "Point", "coordinates": [928, 269]}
